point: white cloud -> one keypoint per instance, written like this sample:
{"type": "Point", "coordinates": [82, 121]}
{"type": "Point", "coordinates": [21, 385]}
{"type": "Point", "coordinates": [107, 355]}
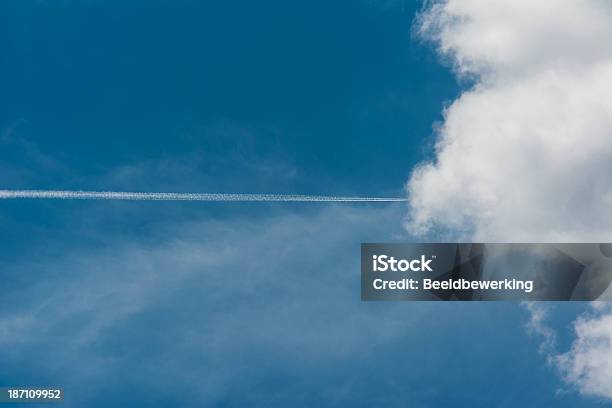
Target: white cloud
{"type": "Point", "coordinates": [506, 38]}
{"type": "Point", "coordinates": [537, 325]}
{"type": "Point", "coordinates": [588, 364]}
{"type": "Point", "coordinates": [525, 154]}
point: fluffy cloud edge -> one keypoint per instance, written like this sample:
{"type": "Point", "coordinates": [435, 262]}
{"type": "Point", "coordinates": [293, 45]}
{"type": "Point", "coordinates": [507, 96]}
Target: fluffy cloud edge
{"type": "Point", "coordinates": [524, 153]}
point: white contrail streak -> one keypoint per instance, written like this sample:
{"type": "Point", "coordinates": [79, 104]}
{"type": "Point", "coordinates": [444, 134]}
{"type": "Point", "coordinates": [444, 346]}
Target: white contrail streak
{"type": "Point", "coordinates": [120, 195]}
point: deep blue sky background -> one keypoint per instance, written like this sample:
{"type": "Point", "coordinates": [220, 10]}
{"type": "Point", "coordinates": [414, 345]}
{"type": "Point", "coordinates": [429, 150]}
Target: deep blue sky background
{"type": "Point", "coordinates": [101, 84]}
{"type": "Point", "coordinates": [229, 304]}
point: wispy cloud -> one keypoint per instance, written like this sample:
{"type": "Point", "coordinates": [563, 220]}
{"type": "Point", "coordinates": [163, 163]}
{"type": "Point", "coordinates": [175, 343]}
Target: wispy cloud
{"type": "Point", "coordinates": [213, 301]}
{"type": "Point", "coordinates": [587, 365]}
{"type": "Point", "coordinates": [537, 325]}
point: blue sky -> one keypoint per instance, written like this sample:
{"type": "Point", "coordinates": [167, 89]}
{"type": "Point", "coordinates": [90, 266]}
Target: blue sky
{"type": "Point", "coordinates": [195, 304]}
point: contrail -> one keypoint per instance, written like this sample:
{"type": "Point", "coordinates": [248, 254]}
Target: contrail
{"type": "Point", "coordinates": [131, 196]}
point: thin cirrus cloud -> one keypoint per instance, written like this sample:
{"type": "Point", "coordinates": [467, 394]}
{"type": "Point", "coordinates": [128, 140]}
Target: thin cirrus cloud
{"type": "Point", "coordinates": [211, 301]}
{"type": "Point", "coordinates": [525, 153]}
